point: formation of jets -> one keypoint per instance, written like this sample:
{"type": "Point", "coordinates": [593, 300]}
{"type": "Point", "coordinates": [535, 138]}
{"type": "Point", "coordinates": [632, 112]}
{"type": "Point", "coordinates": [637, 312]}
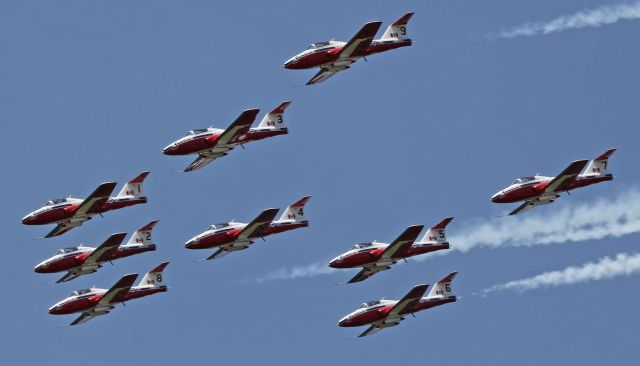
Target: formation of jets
{"type": "Point", "coordinates": [210, 143]}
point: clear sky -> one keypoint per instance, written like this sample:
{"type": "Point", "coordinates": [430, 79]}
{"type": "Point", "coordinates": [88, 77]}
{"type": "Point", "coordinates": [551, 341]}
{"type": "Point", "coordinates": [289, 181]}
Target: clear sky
{"type": "Point", "coordinates": [92, 91]}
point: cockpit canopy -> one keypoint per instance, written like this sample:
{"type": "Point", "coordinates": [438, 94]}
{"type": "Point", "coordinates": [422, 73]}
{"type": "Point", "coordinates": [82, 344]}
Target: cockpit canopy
{"type": "Point", "coordinates": [67, 250]}
{"type": "Point", "coordinates": [318, 45]}
{"type": "Point", "coordinates": [362, 245]}
{"type": "Point", "coordinates": [81, 292]}
{"type": "Point", "coordinates": [56, 201]}
{"type": "Point", "coordinates": [370, 303]}
{"type": "Point", "coordinates": [197, 131]}
{"type": "Point", "coordinates": [218, 226]}
{"type": "Point", "coordinates": [523, 180]}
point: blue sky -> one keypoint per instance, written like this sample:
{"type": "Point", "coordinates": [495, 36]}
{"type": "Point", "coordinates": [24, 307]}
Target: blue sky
{"type": "Point", "coordinates": [92, 91]}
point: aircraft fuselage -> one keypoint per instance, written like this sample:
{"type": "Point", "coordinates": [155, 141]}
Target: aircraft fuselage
{"type": "Point", "coordinates": [530, 190]}
{"type": "Point", "coordinates": [75, 304]}
{"type": "Point", "coordinates": [68, 261]}
{"type": "Point", "coordinates": [380, 312]}
{"type": "Point", "coordinates": [329, 55]}
{"type": "Point", "coordinates": [52, 214]}
{"type": "Point", "coordinates": [362, 257]}
{"type": "Point", "coordinates": [206, 141]}
{"type": "Point", "coordinates": [213, 238]}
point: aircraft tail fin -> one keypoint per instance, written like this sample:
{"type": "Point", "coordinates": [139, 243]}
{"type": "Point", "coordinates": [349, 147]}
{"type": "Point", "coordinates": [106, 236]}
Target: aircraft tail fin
{"type": "Point", "coordinates": [154, 277]}
{"type": "Point", "coordinates": [275, 118]}
{"type": "Point", "coordinates": [134, 186]}
{"type": "Point", "coordinates": [296, 210]}
{"type": "Point", "coordinates": [142, 236]}
{"type": "Point", "coordinates": [398, 29]}
{"type": "Point", "coordinates": [443, 288]}
{"type": "Point", "coordinates": [436, 234]}
{"type": "Point", "coordinates": [599, 165]}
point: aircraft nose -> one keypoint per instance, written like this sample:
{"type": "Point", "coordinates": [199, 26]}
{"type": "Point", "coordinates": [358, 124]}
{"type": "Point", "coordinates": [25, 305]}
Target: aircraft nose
{"type": "Point", "coordinates": [335, 262]}
{"type": "Point", "coordinates": [496, 198]}
{"type": "Point", "coordinates": [55, 309]}
{"type": "Point", "coordinates": [343, 322]}
{"type": "Point", "coordinates": [40, 267]}
{"type": "Point", "coordinates": [190, 244]}
{"type": "Point", "coordinates": [29, 219]}
{"type": "Point", "coordinates": [290, 62]}
{"type": "Point", "coordinates": [170, 149]}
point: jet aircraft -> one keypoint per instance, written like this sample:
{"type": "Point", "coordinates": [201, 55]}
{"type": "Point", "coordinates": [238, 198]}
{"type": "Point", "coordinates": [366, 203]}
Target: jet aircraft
{"type": "Point", "coordinates": [375, 257]}
{"type": "Point", "coordinates": [211, 143]}
{"type": "Point", "coordinates": [70, 212]}
{"type": "Point", "coordinates": [94, 302]}
{"type": "Point", "coordinates": [540, 190]}
{"type": "Point", "coordinates": [380, 314]}
{"type": "Point", "coordinates": [334, 56]}
{"type": "Point", "coordinates": [233, 236]}
{"type": "Point", "coordinates": [81, 260]}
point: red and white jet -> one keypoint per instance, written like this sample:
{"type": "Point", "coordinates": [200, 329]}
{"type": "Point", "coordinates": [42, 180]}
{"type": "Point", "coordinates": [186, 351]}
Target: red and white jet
{"type": "Point", "coordinates": [540, 190]}
{"type": "Point", "coordinates": [81, 260]}
{"type": "Point", "coordinates": [233, 236]}
{"type": "Point", "coordinates": [383, 313]}
{"type": "Point", "coordinates": [70, 212]}
{"type": "Point", "coordinates": [334, 56]}
{"type": "Point", "coordinates": [94, 302]}
{"type": "Point", "coordinates": [212, 143]}
{"type": "Point", "coordinates": [375, 257]}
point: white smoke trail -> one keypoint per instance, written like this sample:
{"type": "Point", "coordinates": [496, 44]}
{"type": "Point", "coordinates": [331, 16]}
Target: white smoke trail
{"type": "Point", "coordinates": [605, 268]}
{"type": "Point", "coordinates": [604, 15]}
{"type": "Point", "coordinates": [603, 218]}
{"type": "Point", "coordinates": [310, 270]}
{"type": "Point", "coordinates": [599, 219]}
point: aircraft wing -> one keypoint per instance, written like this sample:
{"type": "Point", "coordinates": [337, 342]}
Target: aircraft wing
{"type": "Point", "coordinates": [361, 41]}
{"type": "Point", "coordinates": [122, 286]}
{"type": "Point", "coordinates": [238, 128]}
{"type": "Point", "coordinates": [224, 250]}
{"type": "Point", "coordinates": [374, 328]}
{"type": "Point", "coordinates": [63, 228]}
{"type": "Point", "coordinates": [403, 242]}
{"type": "Point", "coordinates": [567, 175]}
{"type": "Point", "coordinates": [524, 207]}
{"type": "Point", "coordinates": [102, 252]}
{"type": "Point", "coordinates": [408, 300]}
{"type": "Point", "coordinates": [366, 272]}
{"type": "Point", "coordinates": [69, 276]}
{"type": "Point", "coordinates": [84, 317]}
{"type": "Point", "coordinates": [204, 158]}
{"type": "Point", "coordinates": [105, 304]}
{"type": "Point", "coordinates": [255, 227]}
{"type": "Point", "coordinates": [90, 205]}
{"type": "Point", "coordinates": [96, 199]}
{"type": "Point", "coordinates": [394, 317]}
{"type": "Point", "coordinates": [324, 74]}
